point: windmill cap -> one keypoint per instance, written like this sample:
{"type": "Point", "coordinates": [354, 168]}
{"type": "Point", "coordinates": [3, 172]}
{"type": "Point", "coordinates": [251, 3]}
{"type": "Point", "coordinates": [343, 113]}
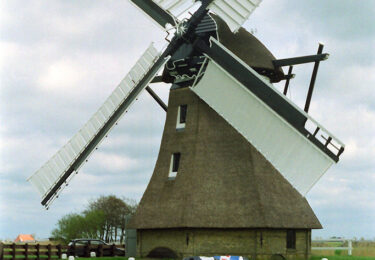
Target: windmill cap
{"type": "Point", "coordinates": [249, 49]}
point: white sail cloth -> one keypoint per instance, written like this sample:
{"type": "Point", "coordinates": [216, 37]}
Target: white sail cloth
{"type": "Point", "coordinates": [300, 161]}
{"type": "Point", "coordinates": [48, 175]}
{"type": "Point", "coordinates": [233, 12]}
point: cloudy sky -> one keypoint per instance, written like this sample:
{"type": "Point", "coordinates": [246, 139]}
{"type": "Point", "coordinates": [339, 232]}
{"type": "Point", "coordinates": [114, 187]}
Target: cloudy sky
{"type": "Point", "coordinates": [59, 60]}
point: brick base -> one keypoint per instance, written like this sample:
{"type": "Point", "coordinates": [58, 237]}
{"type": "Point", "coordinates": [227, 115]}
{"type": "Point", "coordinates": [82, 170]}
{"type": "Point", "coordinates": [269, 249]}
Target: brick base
{"type": "Point", "coordinates": [261, 244]}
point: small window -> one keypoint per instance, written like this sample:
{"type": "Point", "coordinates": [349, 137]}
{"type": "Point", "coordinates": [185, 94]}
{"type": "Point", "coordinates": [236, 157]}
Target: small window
{"type": "Point", "coordinates": [291, 239]}
{"type": "Point", "coordinates": [175, 163]}
{"type": "Point", "coordinates": [97, 242]}
{"type": "Point", "coordinates": [181, 116]}
{"type": "Point", "coordinates": [183, 110]}
{"type": "Point", "coordinates": [81, 243]}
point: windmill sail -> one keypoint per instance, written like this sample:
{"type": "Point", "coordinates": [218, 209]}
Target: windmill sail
{"type": "Point", "coordinates": [48, 180]}
{"type": "Point", "coordinates": [164, 12]}
{"type": "Point", "coordinates": [175, 7]}
{"type": "Point", "coordinates": [156, 12]}
{"type": "Point", "coordinates": [234, 12]}
{"type": "Point", "coordinates": [268, 120]}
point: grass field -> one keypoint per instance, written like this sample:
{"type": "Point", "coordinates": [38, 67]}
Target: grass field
{"type": "Point", "coordinates": [357, 251]}
{"type": "Point", "coordinates": [360, 249]}
{"type": "Point", "coordinates": [30, 257]}
{"type": "Point", "coordinates": [312, 258]}
{"type": "Point", "coordinates": [315, 257]}
{"type": "Point", "coordinates": [344, 257]}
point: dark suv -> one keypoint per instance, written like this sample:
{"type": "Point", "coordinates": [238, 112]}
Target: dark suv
{"type": "Point", "coordinates": [84, 246]}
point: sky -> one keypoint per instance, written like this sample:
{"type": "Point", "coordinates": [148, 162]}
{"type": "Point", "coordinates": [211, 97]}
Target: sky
{"type": "Point", "coordinates": [59, 60]}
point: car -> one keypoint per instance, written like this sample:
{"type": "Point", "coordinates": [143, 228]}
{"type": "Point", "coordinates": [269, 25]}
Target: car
{"type": "Point", "coordinates": [78, 247]}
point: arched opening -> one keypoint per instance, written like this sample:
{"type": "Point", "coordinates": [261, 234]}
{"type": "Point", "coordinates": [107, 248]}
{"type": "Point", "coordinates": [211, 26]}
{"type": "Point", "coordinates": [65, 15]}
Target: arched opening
{"type": "Point", "coordinates": [277, 257]}
{"type": "Point", "coordinates": [162, 252]}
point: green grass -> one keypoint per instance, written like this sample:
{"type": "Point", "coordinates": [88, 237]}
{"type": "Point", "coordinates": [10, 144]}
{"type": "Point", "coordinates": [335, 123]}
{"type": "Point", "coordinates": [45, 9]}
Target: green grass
{"type": "Point", "coordinates": [344, 257]}
{"type": "Point", "coordinates": [108, 258]}
{"type": "Point", "coordinates": [311, 258]}
{"type": "Point", "coordinates": [29, 257]}
{"type": "Point", "coordinates": [125, 258]}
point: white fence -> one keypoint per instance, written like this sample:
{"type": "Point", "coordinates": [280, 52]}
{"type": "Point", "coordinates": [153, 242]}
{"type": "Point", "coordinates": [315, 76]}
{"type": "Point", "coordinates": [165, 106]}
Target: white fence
{"type": "Point", "coordinates": [349, 247]}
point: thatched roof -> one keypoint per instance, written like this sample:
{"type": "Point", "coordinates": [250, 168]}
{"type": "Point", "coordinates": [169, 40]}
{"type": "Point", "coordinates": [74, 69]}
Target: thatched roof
{"type": "Point", "coordinates": [247, 47]}
{"type": "Point", "coordinates": [222, 182]}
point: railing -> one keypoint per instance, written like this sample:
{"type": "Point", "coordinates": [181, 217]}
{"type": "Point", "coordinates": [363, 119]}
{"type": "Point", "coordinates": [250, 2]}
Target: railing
{"type": "Point", "coordinates": [349, 247]}
{"type": "Point", "coordinates": [37, 251]}
{"type": "Point", "coordinates": [27, 251]}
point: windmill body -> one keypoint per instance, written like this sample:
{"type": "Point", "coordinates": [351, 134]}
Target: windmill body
{"type": "Point", "coordinates": [224, 196]}
{"type": "Point", "coordinates": [236, 157]}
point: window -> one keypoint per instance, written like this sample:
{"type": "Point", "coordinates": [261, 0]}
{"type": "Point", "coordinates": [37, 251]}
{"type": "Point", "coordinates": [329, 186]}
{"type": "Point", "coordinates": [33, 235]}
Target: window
{"type": "Point", "coordinates": [183, 110]}
{"type": "Point", "coordinates": [81, 243]}
{"type": "Point", "coordinates": [97, 242]}
{"type": "Point", "coordinates": [181, 116]}
{"type": "Point", "coordinates": [291, 239]}
{"type": "Point", "coordinates": [175, 163]}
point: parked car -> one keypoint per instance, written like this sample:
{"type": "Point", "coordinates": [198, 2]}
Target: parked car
{"type": "Point", "coordinates": [78, 247]}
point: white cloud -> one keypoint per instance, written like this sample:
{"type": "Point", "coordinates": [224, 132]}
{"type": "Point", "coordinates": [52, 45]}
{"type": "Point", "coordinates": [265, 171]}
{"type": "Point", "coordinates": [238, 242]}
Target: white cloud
{"type": "Point", "coordinates": [7, 52]}
{"type": "Point", "coordinates": [85, 22]}
{"type": "Point", "coordinates": [114, 162]}
{"type": "Point", "coordinates": [63, 77]}
{"type": "Point", "coordinates": [119, 141]}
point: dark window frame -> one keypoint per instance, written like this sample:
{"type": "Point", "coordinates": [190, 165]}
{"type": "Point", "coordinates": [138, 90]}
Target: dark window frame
{"type": "Point", "coordinates": [176, 157]}
{"type": "Point", "coordinates": [183, 113]}
{"type": "Point", "coordinates": [291, 239]}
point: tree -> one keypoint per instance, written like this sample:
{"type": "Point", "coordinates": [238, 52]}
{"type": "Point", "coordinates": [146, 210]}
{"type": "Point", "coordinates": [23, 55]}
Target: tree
{"type": "Point", "coordinates": [69, 227]}
{"type": "Point", "coordinates": [104, 218]}
{"type": "Point", "coordinates": [93, 222]}
{"type": "Point", "coordinates": [116, 211]}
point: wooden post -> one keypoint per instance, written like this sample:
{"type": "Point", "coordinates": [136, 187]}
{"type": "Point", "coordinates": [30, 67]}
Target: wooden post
{"type": "Point", "coordinates": [139, 243]}
{"type": "Point", "coordinates": [113, 250]}
{"type": "Point", "coordinates": [100, 249]}
{"type": "Point", "coordinates": [26, 247]}
{"type": "Point", "coordinates": [59, 252]}
{"type": "Point", "coordinates": [288, 80]}
{"type": "Point", "coordinates": [49, 251]}
{"type": "Point", "coordinates": [307, 244]}
{"type": "Point", "coordinates": [14, 251]}
{"type": "Point", "coordinates": [37, 251]}
{"type": "Point", "coordinates": [1, 250]}
{"type": "Point", "coordinates": [350, 247]}
{"type": "Point", "coordinates": [87, 250]}
{"type": "Point", "coordinates": [255, 252]}
{"type": "Point", "coordinates": [313, 78]}
{"type": "Point", "coordinates": [73, 249]}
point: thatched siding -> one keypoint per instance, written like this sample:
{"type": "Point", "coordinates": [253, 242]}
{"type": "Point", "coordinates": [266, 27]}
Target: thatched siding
{"type": "Point", "coordinates": [222, 182]}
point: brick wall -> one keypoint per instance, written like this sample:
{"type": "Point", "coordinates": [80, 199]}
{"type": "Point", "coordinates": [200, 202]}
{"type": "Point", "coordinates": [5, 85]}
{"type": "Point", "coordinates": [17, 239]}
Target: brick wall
{"type": "Point", "coordinates": [254, 243]}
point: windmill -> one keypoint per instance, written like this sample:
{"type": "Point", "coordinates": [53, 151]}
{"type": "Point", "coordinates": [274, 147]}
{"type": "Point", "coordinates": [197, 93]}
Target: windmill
{"type": "Point", "coordinates": [226, 125]}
